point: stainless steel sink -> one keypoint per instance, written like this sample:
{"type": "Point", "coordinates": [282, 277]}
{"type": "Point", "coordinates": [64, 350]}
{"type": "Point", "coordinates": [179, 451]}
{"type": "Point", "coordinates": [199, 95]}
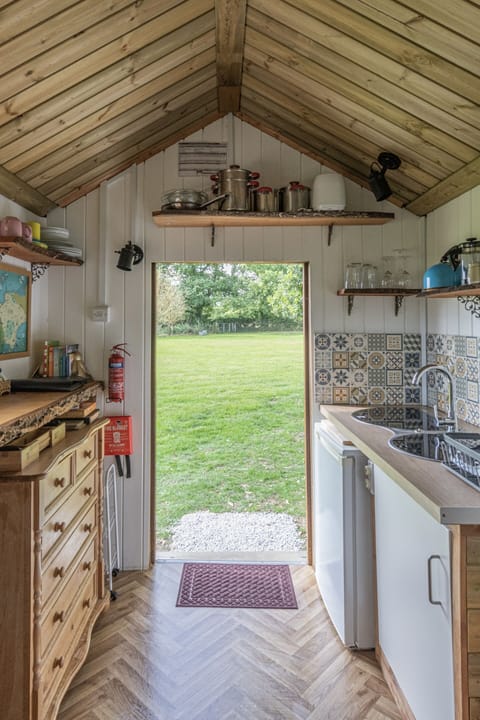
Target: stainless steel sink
{"type": "Point", "coordinates": [426, 445]}
{"type": "Point", "coordinates": [400, 418]}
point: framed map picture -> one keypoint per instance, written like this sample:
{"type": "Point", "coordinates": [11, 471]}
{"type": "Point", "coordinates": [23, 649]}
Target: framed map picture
{"type": "Point", "coordinates": [15, 291]}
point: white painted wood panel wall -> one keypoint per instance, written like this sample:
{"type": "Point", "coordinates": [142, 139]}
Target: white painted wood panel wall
{"type": "Point", "coordinates": [73, 292]}
{"type": "Point", "coordinates": [447, 226]}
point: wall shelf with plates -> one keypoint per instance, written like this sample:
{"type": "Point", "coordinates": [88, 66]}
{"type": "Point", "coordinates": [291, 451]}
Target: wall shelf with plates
{"type": "Point", "coordinates": [397, 293]}
{"type": "Point", "coordinates": [39, 258]}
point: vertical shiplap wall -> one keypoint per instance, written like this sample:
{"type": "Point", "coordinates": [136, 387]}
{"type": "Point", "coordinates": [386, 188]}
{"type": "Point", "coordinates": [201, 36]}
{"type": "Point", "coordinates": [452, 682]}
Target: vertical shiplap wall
{"type": "Point", "coordinates": [23, 367]}
{"type": "Point", "coordinates": [122, 210]}
{"type": "Point", "coordinates": [449, 225]}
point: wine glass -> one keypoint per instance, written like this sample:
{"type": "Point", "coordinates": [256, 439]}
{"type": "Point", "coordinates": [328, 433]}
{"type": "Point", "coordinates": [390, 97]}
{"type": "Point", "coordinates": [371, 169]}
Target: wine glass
{"type": "Point", "coordinates": [402, 276]}
{"type": "Point", "coordinates": [387, 276]}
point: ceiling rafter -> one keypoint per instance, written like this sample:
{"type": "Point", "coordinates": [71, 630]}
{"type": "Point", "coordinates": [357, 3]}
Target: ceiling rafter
{"type": "Point", "coordinates": [90, 88]}
{"type": "Point", "coordinates": [230, 34]}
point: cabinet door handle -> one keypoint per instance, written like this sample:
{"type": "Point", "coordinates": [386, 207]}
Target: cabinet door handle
{"type": "Point", "coordinates": [87, 491]}
{"type": "Point", "coordinates": [59, 572]}
{"type": "Point", "coordinates": [59, 482]}
{"type": "Point", "coordinates": [59, 527]}
{"type": "Point", "coordinates": [58, 662]}
{"type": "Point", "coordinates": [87, 565]}
{"type": "Point", "coordinates": [58, 617]}
{"type": "Point", "coordinates": [86, 603]}
{"type": "Point", "coordinates": [429, 573]}
{"type": "Point", "coordinates": [88, 527]}
{"type": "Point", "coordinates": [87, 453]}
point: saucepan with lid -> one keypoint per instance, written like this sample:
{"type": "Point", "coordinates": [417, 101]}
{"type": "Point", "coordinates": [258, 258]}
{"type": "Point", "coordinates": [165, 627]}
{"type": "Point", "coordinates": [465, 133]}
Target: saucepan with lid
{"type": "Point", "coordinates": [238, 184]}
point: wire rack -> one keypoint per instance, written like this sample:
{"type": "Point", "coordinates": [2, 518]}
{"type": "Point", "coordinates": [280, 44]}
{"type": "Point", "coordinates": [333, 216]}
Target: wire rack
{"type": "Point", "coordinates": [461, 453]}
{"type": "Point", "coordinates": [110, 528]}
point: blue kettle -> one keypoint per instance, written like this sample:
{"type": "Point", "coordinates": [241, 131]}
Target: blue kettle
{"type": "Point", "coordinates": [441, 275]}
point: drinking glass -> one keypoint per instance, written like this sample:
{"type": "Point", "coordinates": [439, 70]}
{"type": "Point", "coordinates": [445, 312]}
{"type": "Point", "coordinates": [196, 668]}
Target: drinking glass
{"type": "Point", "coordinates": [369, 276]}
{"type": "Point", "coordinates": [353, 275]}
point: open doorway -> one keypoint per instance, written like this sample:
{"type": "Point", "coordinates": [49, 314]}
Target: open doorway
{"type": "Point", "coordinates": [230, 410]}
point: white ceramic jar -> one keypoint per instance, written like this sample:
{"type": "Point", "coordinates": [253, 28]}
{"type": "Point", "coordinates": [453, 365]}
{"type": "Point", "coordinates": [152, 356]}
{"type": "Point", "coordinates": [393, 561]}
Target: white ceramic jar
{"type": "Point", "coordinates": [328, 192]}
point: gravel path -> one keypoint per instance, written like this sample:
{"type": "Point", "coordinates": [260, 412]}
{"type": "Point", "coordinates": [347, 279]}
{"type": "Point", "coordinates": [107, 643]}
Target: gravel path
{"type": "Point", "coordinates": [236, 532]}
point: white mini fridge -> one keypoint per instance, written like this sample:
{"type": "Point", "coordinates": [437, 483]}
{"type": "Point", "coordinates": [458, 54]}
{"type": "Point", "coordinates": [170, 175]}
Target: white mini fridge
{"type": "Point", "coordinates": [343, 538]}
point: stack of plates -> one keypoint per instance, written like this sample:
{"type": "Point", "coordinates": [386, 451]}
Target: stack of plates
{"type": "Point", "coordinates": [54, 233]}
{"type": "Point", "coordinates": [57, 239]}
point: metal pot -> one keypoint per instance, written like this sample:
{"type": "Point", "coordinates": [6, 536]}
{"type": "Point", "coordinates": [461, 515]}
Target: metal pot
{"type": "Point", "coordinates": [237, 183]}
{"type": "Point", "coordinates": [266, 199]}
{"type": "Point", "coordinates": [188, 200]}
{"type": "Point", "coordinates": [294, 196]}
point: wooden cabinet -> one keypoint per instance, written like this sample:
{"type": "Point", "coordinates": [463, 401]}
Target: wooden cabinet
{"type": "Point", "coordinates": [414, 602]}
{"type": "Point", "coordinates": [52, 573]}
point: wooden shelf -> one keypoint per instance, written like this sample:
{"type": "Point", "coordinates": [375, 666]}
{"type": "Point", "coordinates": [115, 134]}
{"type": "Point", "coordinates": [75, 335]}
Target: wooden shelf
{"type": "Point", "coordinates": [234, 218]}
{"type": "Point", "coordinates": [25, 250]}
{"type": "Point", "coordinates": [397, 293]}
{"type": "Point", "coordinates": [21, 412]}
{"type": "Point", "coordinates": [469, 295]}
{"type": "Point", "coordinates": [448, 292]}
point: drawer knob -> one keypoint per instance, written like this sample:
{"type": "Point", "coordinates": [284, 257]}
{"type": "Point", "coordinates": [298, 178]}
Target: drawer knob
{"type": "Point", "coordinates": [59, 482]}
{"type": "Point", "coordinates": [59, 572]}
{"type": "Point", "coordinates": [58, 662]}
{"type": "Point", "coordinates": [88, 527]}
{"type": "Point", "coordinates": [87, 491]}
{"type": "Point", "coordinates": [58, 617]}
{"type": "Point", "coordinates": [87, 453]}
{"type": "Point", "coordinates": [86, 603]}
{"type": "Point", "coordinates": [59, 527]}
{"type": "Point", "coordinates": [87, 565]}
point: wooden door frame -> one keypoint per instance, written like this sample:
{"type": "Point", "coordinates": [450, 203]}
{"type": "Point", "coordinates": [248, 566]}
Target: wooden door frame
{"type": "Point", "coordinates": [307, 407]}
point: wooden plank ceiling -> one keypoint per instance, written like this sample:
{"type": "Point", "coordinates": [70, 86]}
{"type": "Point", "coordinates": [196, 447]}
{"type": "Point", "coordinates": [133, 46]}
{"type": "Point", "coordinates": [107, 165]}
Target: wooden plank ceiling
{"type": "Point", "coordinates": [89, 87]}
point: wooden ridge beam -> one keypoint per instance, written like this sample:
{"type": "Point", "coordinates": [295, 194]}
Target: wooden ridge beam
{"type": "Point", "coordinates": [230, 35]}
{"type": "Point", "coordinates": [25, 195]}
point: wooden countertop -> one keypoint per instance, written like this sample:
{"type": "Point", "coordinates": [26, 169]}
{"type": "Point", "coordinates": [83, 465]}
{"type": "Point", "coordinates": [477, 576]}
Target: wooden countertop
{"type": "Point", "coordinates": [447, 498]}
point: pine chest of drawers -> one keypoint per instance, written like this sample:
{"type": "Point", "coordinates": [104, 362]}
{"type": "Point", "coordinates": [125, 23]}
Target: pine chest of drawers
{"type": "Point", "coordinates": [51, 572]}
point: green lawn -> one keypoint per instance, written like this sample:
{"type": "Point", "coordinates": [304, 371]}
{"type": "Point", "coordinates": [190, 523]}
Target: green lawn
{"type": "Point", "coordinates": [230, 433]}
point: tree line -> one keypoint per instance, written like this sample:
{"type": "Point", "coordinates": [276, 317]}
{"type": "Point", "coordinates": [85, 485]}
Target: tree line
{"type": "Point", "coordinates": [254, 296]}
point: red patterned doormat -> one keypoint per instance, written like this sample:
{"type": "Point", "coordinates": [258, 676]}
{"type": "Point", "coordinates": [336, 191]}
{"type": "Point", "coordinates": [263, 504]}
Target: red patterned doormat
{"type": "Point", "coordinates": [236, 586]}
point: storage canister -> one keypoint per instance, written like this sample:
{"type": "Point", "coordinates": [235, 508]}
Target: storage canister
{"type": "Point", "coordinates": [294, 196]}
{"type": "Point", "coordinates": [266, 199]}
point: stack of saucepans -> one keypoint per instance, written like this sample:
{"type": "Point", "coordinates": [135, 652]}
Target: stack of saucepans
{"type": "Point", "coordinates": [238, 189]}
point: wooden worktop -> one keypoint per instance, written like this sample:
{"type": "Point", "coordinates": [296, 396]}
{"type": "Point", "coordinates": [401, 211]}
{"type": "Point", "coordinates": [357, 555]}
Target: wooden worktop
{"type": "Point", "coordinates": [447, 498]}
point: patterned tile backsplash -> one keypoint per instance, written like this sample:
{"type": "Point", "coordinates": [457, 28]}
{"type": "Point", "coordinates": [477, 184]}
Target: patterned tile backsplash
{"type": "Point", "coordinates": [460, 354]}
{"type": "Point", "coordinates": [366, 368]}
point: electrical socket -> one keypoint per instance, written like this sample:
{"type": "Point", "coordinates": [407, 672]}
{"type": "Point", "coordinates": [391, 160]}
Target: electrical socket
{"type": "Point", "coordinates": [101, 313]}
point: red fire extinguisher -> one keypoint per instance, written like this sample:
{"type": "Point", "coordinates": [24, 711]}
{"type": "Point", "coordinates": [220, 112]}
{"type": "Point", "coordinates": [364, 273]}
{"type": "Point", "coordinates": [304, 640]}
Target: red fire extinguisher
{"type": "Point", "coordinates": [116, 373]}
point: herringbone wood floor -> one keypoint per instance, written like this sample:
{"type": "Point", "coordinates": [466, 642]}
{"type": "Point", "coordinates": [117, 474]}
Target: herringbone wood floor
{"type": "Point", "coordinates": [152, 661]}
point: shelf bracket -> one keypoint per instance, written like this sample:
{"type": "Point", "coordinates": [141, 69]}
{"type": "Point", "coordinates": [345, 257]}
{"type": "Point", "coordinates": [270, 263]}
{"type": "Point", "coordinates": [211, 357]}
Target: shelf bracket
{"type": "Point", "coordinates": [330, 232]}
{"type": "Point", "coordinates": [472, 304]}
{"type": "Point", "coordinates": [349, 304]}
{"type": "Point", "coordinates": [398, 303]}
{"type": "Point", "coordinates": [38, 271]}
{"type": "Point", "coordinates": [212, 236]}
